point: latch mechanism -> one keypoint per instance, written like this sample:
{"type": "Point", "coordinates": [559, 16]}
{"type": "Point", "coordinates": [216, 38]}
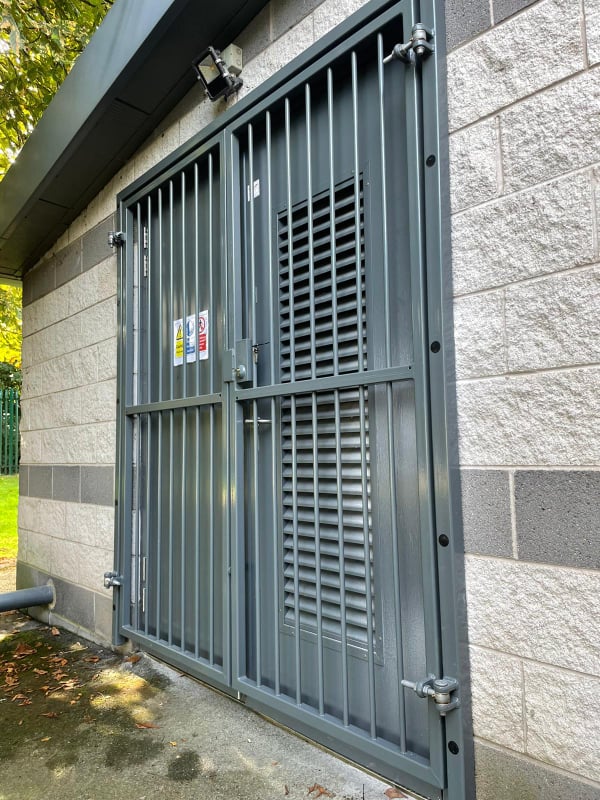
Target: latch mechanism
{"type": "Point", "coordinates": [419, 46]}
{"type": "Point", "coordinates": [112, 579]}
{"type": "Point", "coordinates": [439, 689]}
{"type": "Point", "coordinates": [116, 238]}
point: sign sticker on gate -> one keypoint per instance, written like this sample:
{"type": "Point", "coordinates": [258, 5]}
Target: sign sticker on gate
{"type": "Point", "coordinates": [177, 342]}
{"type": "Point", "coordinates": [203, 335]}
{"type": "Point", "coordinates": [190, 338]}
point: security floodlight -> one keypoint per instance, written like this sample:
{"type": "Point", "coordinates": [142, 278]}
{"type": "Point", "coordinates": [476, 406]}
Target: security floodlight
{"type": "Point", "coordinates": [214, 74]}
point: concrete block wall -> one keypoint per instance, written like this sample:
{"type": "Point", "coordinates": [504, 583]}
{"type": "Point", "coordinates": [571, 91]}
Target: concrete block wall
{"type": "Point", "coordinates": [524, 158]}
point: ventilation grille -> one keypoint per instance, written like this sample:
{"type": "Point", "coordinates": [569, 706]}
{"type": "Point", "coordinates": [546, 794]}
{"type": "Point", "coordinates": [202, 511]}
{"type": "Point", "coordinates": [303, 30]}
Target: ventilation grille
{"type": "Point", "coordinates": [345, 515]}
{"type": "Point", "coordinates": [329, 504]}
{"type": "Point", "coordinates": [309, 334]}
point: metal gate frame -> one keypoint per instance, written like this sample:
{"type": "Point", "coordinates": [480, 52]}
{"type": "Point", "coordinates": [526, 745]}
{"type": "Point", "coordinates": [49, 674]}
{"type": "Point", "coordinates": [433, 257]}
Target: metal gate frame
{"type": "Point", "coordinates": [427, 235]}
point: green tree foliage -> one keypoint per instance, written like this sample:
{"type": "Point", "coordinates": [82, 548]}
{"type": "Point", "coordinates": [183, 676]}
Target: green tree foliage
{"type": "Point", "coordinates": [39, 41]}
{"type": "Point", "coordinates": [10, 326]}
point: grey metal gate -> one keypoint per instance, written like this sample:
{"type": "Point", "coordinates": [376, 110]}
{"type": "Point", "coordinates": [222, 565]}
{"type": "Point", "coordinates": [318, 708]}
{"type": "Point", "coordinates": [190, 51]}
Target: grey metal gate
{"type": "Point", "coordinates": [277, 505]}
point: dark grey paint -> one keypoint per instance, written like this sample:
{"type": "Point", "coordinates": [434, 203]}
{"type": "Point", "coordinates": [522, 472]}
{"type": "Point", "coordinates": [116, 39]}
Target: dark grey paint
{"type": "Point", "coordinates": [94, 245]}
{"type": "Point", "coordinates": [72, 602]}
{"type": "Point", "coordinates": [40, 482]}
{"type": "Point", "coordinates": [504, 8]}
{"type": "Point", "coordinates": [287, 13]}
{"type": "Point", "coordinates": [486, 512]}
{"type": "Point", "coordinates": [74, 484]}
{"type": "Point", "coordinates": [133, 72]}
{"type": "Point", "coordinates": [465, 19]}
{"type": "Point", "coordinates": [23, 480]}
{"type": "Point", "coordinates": [501, 775]}
{"type": "Point", "coordinates": [67, 263]}
{"type": "Point", "coordinates": [97, 485]}
{"type": "Point", "coordinates": [557, 517]}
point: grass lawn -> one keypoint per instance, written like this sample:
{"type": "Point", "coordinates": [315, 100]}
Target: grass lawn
{"type": "Point", "coordinates": [9, 499]}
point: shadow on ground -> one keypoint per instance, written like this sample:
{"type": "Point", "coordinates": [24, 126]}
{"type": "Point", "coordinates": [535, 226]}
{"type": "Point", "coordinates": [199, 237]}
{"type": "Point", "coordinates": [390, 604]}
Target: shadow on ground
{"type": "Point", "coordinates": [82, 723]}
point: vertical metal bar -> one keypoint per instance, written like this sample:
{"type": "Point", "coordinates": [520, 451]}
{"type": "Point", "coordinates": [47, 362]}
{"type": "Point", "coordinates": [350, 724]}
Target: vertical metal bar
{"type": "Point", "coordinates": [171, 414]}
{"type": "Point", "coordinates": [311, 253]}
{"type": "Point", "coordinates": [367, 555]}
{"type": "Point", "coordinates": [162, 340]}
{"type": "Point", "coordinates": [159, 511]}
{"type": "Point", "coordinates": [357, 234]}
{"type": "Point", "coordinates": [211, 432]}
{"type": "Point", "coordinates": [183, 290]}
{"type": "Point", "coordinates": [332, 231]}
{"type": "Point", "coordinates": [183, 468]}
{"type": "Point", "coordinates": [211, 339]}
{"type": "Point", "coordinates": [183, 523]}
{"type": "Point", "coordinates": [171, 294]}
{"type": "Point", "coordinates": [161, 323]}
{"type": "Point", "coordinates": [137, 422]}
{"type": "Point", "coordinates": [342, 557]}
{"type": "Point", "coordinates": [196, 274]}
{"type": "Point", "coordinates": [148, 499]}
{"type": "Point", "coordinates": [197, 504]}
{"type": "Point", "coordinates": [288, 159]}
{"type": "Point", "coordinates": [139, 353]}
{"type": "Point", "coordinates": [274, 482]}
{"type": "Point", "coordinates": [384, 225]}
{"type": "Point", "coordinates": [211, 528]}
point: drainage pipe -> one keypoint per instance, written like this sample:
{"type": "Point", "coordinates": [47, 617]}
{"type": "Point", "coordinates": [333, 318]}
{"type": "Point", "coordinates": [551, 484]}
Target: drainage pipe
{"type": "Point", "coordinates": [25, 598]}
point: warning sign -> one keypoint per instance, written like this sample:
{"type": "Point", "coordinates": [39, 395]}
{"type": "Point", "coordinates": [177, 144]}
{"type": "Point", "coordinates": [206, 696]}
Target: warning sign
{"type": "Point", "coordinates": [177, 342]}
{"type": "Point", "coordinates": [203, 335]}
{"type": "Point", "coordinates": [190, 338]}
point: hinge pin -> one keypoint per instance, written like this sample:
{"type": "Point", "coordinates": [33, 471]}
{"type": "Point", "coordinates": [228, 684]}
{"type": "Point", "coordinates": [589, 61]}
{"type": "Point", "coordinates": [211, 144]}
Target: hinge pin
{"type": "Point", "coordinates": [418, 47]}
{"type": "Point", "coordinates": [116, 238]}
{"type": "Point", "coordinates": [439, 689]}
{"type": "Point", "coordinates": [112, 579]}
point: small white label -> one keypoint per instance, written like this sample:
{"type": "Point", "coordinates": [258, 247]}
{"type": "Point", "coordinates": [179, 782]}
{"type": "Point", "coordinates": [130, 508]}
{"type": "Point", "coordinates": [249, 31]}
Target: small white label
{"type": "Point", "coordinates": [203, 335]}
{"type": "Point", "coordinates": [190, 338]}
{"type": "Point", "coordinates": [255, 189]}
{"type": "Point", "coordinates": [177, 342]}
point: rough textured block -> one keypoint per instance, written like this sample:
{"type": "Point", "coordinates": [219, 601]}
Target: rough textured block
{"type": "Point", "coordinates": [23, 480]}
{"type": "Point", "coordinates": [331, 12]}
{"type": "Point", "coordinates": [474, 165]}
{"type": "Point", "coordinates": [496, 60]}
{"type": "Point", "coordinates": [42, 280]}
{"type": "Point", "coordinates": [533, 233]}
{"type": "Point", "coordinates": [156, 149]}
{"type": "Point", "coordinates": [502, 724]}
{"type": "Point", "coordinates": [66, 484]}
{"type": "Point", "coordinates": [81, 523]}
{"type": "Point", "coordinates": [95, 285]}
{"type": "Point", "coordinates": [40, 550]}
{"type": "Point", "coordinates": [68, 445]}
{"type": "Point", "coordinates": [479, 335]}
{"type": "Point", "coordinates": [40, 481]}
{"type": "Point", "coordinates": [256, 36]}
{"type": "Point", "coordinates": [98, 322]}
{"type": "Point", "coordinates": [94, 562]}
{"type": "Point", "coordinates": [559, 731]}
{"type": "Point", "coordinates": [537, 612]}
{"type": "Point", "coordinates": [503, 776]}
{"type": "Point", "coordinates": [74, 603]}
{"type": "Point", "coordinates": [105, 527]}
{"type": "Point", "coordinates": [557, 517]}
{"type": "Point", "coordinates": [106, 355]}
{"type": "Point", "coordinates": [592, 20]}
{"type": "Point", "coordinates": [103, 616]}
{"type": "Point", "coordinates": [67, 263]}
{"type": "Point", "coordinates": [541, 419]}
{"type": "Point", "coordinates": [505, 8]}
{"type": "Point", "coordinates": [465, 19]}
{"type": "Point", "coordinates": [287, 13]}
{"type": "Point", "coordinates": [549, 323]}
{"type": "Point", "coordinates": [98, 485]}
{"type": "Point", "coordinates": [552, 133]}
{"type": "Point", "coordinates": [486, 516]}
{"type": "Point", "coordinates": [105, 443]}
{"type": "Point", "coordinates": [67, 560]}
{"type": "Point", "coordinates": [94, 243]}
{"type": "Point", "coordinates": [98, 402]}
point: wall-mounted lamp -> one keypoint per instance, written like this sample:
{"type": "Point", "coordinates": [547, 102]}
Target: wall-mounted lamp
{"type": "Point", "coordinates": [218, 72]}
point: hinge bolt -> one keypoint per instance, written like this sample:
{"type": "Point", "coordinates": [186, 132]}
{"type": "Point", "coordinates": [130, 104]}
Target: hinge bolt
{"type": "Point", "coordinates": [116, 238]}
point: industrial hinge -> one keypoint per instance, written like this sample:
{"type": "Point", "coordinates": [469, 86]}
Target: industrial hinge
{"type": "Point", "coordinates": [419, 46]}
{"type": "Point", "coordinates": [116, 238]}
{"type": "Point", "coordinates": [112, 579]}
{"type": "Point", "coordinates": [439, 689]}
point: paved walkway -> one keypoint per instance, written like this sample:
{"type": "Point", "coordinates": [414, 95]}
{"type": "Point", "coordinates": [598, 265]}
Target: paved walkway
{"type": "Point", "coordinates": [83, 723]}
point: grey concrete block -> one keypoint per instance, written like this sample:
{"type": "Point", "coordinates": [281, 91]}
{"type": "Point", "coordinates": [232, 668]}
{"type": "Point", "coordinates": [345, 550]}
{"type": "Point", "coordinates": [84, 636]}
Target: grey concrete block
{"type": "Point", "coordinates": [95, 246]}
{"type": "Point", "coordinates": [40, 481]}
{"type": "Point", "coordinates": [23, 480]}
{"type": "Point", "coordinates": [287, 13]}
{"type": "Point", "coordinates": [27, 290]}
{"type": "Point", "coordinates": [486, 512]}
{"type": "Point", "coordinates": [256, 37]}
{"type": "Point", "coordinates": [97, 485]}
{"type": "Point", "coordinates": [42, 280]}
{"type": "Point", "coordinates": [74, 603]}
{"type": "Point", "coordinates": [504, 8]}
{"type": "Point", "coordinates": [592, 21]}
{"type": "Point", "coordinates": [103, 617]}
{"type": "Point", "coordinates": [66, 484]}
{"type": "Point", "coordinates": [67, 263]}
{"type": "Point", "coordinates": [474, 165]}
{"type": "Point", "coordinates": [479, 335]}
{"type": "Point", "coordinates": [500, 775]}
{"type": "Point", "coordinates": [465, 19]}
{"type": "Point", "coordinates": [558, 517]}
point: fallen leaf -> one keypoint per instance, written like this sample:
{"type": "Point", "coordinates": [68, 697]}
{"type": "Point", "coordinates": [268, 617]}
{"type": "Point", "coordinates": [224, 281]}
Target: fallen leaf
{"type": "Point", "coordinates": [61, 662]}
{"type": "Point", "coordinates": [274, 763]}
{"type": "Point", "coordinates": [55, 632]}
{"type": "Point", "coordinates": [134, 658]}
{"type": "Point", "coordinates": [320, 791]}
{"type": "Point", "coordinates": [50, 714]}
{"type": "Point", "coordinates": [46, 739]}
{"type": "Point", "coordinates": [40, 671]}
{"type": "Point", "coordinates": [286, 791]}
{"type": "Point", "coordinates": [173, 744]}
{"type": "Point", "coordinates": [20, 722]}
{"type": "Point", "coordinates": [146, 725]}
{"type": "Point", "coordinates": [92, 659]}
{"type": "Point", "coordinates": [23, 649]}
{"type": "Point", "coordinates": [18, 697]}
{"type": "Point", "coordinates": [393, 792]}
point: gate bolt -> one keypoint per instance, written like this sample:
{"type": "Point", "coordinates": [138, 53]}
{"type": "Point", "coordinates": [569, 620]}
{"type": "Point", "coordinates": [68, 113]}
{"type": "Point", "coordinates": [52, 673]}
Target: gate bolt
{"type": "Point", "coordinates": [112, 579]}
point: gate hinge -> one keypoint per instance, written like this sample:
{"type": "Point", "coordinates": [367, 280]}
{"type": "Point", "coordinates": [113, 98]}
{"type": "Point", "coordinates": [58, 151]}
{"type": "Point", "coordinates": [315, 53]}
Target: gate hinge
{"type": "Point", "coordinates": [116, 238]}
{"type": "Point", "coordinates": [439, 689]}
{"type": "Point", "coordinates": [112, 579]}
{"type": "Point", "coordinates": [419, 46]}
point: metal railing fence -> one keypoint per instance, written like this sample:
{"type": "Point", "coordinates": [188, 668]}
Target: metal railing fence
{"type": "Point", "coordinates": [9, 431]}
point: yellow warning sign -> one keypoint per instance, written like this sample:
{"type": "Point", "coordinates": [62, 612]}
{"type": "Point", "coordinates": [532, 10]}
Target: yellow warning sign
{"type": "Point", "coordinates": [178, 342]}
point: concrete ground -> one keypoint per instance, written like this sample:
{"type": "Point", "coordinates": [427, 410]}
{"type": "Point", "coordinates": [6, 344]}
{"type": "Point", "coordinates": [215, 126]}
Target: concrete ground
{"type": "Point", "coordinates": [83, 723]}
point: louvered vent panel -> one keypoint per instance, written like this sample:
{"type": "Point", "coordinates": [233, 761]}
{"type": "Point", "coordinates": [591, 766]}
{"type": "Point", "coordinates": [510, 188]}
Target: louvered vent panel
{"type": "Point", "coordinates": [303, 342]}
{"type": "Point", "coordinates": [342, 506]}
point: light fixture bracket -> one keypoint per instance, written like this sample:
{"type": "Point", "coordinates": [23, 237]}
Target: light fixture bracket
{"type": "Point", "coordinates": [212, 71]}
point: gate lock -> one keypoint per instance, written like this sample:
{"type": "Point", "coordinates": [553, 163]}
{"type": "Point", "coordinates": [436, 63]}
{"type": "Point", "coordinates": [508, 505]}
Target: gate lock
{"type": "Point", "coordinates": [439, 689]}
